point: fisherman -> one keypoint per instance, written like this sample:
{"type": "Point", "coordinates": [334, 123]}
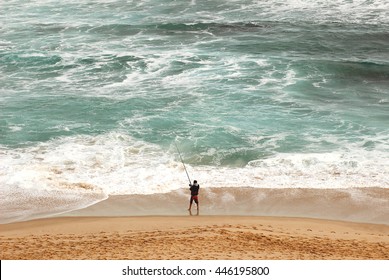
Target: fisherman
{"type": "Point", "coordinates": [194, 192]}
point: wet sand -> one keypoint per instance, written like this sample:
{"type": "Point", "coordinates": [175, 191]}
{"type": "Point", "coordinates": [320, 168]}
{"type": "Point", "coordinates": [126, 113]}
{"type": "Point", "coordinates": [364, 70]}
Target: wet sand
{"type": "Point", "coordinates": [367, 205]}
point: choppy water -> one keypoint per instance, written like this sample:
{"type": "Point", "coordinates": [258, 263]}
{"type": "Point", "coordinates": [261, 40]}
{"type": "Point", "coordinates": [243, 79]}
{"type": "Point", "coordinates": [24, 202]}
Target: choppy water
{"type": "Point", "coordinates": [94, 94]}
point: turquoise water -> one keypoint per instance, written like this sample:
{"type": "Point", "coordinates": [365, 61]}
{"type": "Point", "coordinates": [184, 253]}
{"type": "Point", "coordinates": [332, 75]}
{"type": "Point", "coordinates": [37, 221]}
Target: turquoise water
{"type": "Point", "coordinates": [254, 93]}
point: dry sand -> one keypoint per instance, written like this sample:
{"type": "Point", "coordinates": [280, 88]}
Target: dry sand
{"type": "Point", "coordinates": [193, 237]}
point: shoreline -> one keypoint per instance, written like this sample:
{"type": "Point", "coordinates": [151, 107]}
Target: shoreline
{"type": "Point", "coordinates": [365, 205]}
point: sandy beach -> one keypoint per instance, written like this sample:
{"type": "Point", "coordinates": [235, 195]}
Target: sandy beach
{"type": "Point", "coordinates": [103, 231]}
{"type": "Point", "coordinates": [193, 238]}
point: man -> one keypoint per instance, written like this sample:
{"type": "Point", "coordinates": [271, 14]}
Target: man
{"type": "Point", "coordinates": [194, 192]}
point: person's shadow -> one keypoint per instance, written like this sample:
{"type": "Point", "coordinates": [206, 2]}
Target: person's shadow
{"type": "Point", "coordinates": [197, 212]}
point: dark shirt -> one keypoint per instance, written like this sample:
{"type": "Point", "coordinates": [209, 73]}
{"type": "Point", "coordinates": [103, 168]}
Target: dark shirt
{"type": "Point", "coordinates": [194, 189]}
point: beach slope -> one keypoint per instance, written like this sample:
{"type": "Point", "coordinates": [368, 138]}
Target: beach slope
{"type": "Point", "coordinates": [192, 237]}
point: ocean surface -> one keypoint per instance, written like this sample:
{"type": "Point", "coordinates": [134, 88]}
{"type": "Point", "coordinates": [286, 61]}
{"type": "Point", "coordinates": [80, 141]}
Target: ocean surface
{"type": "Point", "coordinates": [96, 97]}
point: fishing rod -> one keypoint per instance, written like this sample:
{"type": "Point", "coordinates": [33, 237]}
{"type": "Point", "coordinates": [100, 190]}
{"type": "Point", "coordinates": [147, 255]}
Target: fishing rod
{"type": "Point", "coordinates": [183, 163]}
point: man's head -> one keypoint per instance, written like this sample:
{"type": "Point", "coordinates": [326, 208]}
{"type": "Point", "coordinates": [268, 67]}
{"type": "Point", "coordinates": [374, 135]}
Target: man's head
{"type": "Point", "coordinates": [194, 182]}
